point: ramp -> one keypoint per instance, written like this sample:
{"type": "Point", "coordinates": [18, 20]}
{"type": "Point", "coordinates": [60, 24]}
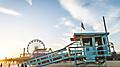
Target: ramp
{"type": "Point", "coordinates": [71, 52]}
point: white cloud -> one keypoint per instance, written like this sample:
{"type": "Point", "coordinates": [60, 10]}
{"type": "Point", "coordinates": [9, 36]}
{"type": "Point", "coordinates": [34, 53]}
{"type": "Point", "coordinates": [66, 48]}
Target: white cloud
{"type": "Point", "coordinates": [91, 12]}
{"type": "Point", "coordinates": [68, 23]}
{"type": "Point", "coordinates": [29, 2]}
{"type": "Point", "coordinates": [80, 13]}
{"type": "Point", "coordinates": [113, 20]}
{"type": "Point", "coordinates": [9, 11]}
{"type": "Point", "coordinates": [57, 26]}
{"type": "Point", "coordinates": [65, 22]}
{"type": "Point", "coordinates": [70, 26]}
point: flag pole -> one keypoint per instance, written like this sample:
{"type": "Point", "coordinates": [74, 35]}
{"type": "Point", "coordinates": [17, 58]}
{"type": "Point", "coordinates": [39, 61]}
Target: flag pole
{"type": "Point", "coordinates": [81, 29]}
{"type": "Point", "coordinates": [81, 34]}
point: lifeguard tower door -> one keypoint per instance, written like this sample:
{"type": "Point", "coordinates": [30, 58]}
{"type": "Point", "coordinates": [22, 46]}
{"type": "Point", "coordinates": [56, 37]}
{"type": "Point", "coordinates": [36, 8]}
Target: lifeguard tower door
{"type": "Point", "coordinates": [89, 49]}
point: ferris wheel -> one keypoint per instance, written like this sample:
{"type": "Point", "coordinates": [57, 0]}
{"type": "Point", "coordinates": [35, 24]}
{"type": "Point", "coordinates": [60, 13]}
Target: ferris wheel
{"type": "Point", "coordinates": [35, 44]}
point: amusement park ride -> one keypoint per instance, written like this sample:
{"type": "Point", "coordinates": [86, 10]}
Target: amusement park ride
{"type": "Point", "coordinates": [34, 48]}
{"type": "Point", "coordinates": [37, 48]}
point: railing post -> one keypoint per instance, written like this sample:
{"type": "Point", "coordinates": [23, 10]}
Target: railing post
{"type": "Point", "coordinates": [50, 58]}
{"type": "Point", "coordinates": [75, 63]}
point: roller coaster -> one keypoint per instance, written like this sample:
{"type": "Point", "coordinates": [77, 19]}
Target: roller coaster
{"type": "Point", "coordinates": [85, 48]}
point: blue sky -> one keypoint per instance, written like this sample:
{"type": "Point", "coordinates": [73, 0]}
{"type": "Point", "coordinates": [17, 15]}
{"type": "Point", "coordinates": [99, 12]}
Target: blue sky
{"type": "Point", "coordinates": [54, 22]}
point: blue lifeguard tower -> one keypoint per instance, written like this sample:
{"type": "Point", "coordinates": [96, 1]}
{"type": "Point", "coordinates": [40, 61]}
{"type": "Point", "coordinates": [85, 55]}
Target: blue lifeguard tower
{"type": "Point", "coordinates": [85, 48]}
{"type": "Point", "coordinates": [95, 46]}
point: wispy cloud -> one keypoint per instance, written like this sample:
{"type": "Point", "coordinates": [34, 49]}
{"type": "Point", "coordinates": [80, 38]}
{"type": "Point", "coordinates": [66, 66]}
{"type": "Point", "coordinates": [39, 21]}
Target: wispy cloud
{"type": "Point", "coordinates": [65, 22]}
{"type": "Point", "coordinates": [113, 20]}
{"type": "Point", "coordinates": [29, 2]}
{"type": "Point", "coordinates": [81, 13]}
{"type": "Point", "coordinates": [91, 12]}
{"type": "Point", "coordinates": [9, 11]}
{"type": "Point", "coordinates": [69, 25]}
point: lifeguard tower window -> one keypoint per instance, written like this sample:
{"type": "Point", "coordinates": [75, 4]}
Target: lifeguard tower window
{"type": "Point", "coordinates": [98, 40]}
{"type": "Point", "coordinates": [87, 41]}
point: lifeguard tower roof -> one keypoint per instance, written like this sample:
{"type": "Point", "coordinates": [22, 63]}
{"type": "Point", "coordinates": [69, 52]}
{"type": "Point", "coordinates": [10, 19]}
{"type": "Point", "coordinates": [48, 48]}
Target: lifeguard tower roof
{"type": "Point", "coordinates": [79, 35]}
{"type": "Point", "coordinates": [93, 34]}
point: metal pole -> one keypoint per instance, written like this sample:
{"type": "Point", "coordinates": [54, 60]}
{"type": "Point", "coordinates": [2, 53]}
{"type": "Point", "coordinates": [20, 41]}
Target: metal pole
{"type": "Point", "coordinates": [106, 31]}
{"type": "Point", "coordinates": [105, 28]}
{"type": "Point", "coordinates": [106, 36]}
